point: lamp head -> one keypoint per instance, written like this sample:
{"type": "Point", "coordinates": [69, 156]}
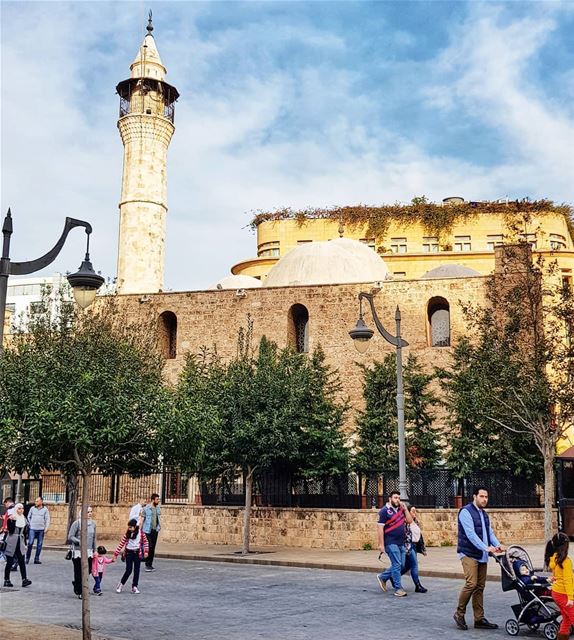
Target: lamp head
{"type": "Point", "coordinates": [361, 334]}
{"type": "Point", "coordinates": [85, 283]}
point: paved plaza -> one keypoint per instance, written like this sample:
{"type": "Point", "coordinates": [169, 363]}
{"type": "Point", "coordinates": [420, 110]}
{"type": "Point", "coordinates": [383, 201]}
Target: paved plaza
{"type": "Point", "coordinates": [187, 599]}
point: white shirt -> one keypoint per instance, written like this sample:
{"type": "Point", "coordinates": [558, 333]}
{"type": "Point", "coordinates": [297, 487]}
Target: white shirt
{"type": "Point", "coordinates": [135, 512]}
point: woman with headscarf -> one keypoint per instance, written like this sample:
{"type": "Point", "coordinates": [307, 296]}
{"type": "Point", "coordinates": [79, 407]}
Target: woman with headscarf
{"type": "Point", "coordinates": [16, 544]}
{"type": "Point", "coordinates": [74, 540]}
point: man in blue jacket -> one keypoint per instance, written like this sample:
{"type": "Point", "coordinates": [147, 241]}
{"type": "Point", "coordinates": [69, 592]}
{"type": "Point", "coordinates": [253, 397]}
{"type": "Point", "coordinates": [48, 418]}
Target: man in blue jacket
{"type": "Point", "coordinates": [151, 527]}
{"type": "Point", "coordinates": [476, 540]}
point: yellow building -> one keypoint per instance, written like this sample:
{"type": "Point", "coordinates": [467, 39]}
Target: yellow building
{"type": "Point", "coordinates": [415, 239]}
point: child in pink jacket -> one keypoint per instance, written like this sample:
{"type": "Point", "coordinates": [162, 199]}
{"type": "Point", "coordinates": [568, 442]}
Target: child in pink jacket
{"type": "Point", "coordinates": [99, 562]}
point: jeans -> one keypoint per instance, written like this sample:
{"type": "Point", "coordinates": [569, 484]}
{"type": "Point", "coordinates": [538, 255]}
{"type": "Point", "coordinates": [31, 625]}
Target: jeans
{"type": "Point", "coordinates": [98, 583]}
{"type": "Point", "coordinates": [17, 557]}
{"type": "Point", "coordinates": [412, 565]}
{"type": "Point", "coordinates": [35, 534]}
{"type": "Point", "coordinates": [133, 561]}
{"type": "Point", "coordinates": [396, 555]}
{"type": "Point", "coordinates": [152, 540]}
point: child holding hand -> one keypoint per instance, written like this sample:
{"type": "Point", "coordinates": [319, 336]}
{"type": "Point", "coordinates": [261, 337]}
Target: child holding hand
{"type": "Point", "coordinates": [556, 558]}
{"type": "Point", "coordinates": [99, 562]}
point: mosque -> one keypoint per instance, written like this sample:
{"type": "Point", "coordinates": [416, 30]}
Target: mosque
{"type": "Point", "coordinates": [301, 288]}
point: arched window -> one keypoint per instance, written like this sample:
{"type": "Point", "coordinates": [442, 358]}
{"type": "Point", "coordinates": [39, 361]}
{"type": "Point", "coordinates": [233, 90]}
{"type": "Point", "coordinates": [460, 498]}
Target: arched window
{"type": "Point", "coordinates": [298, 335]}
{"type": "Point", "coordinates": [438, 311]}
{"type": "Point", "coordinates": [168, 334]}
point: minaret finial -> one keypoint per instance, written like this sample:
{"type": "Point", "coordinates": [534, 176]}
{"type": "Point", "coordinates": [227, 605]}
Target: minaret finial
{"type": "Point", "coordinates": [149, 24]}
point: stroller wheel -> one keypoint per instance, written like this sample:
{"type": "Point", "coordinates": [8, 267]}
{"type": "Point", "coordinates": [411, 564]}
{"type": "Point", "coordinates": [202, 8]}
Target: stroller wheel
{"type": "Point", "coordinates": [512, 627]}
{"type": "Point", "coordinates": [551, 631]}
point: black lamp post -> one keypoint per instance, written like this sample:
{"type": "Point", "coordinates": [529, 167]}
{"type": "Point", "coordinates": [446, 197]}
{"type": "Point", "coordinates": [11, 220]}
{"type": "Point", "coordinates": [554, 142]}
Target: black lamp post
{"type": "Point", "coordinates": [361, 335]}
{"type": "Point", "coordinates": [85, 282]}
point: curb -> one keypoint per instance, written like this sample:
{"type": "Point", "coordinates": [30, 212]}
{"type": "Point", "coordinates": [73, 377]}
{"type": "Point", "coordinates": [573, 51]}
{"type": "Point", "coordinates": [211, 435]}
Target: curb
{"type": "Point", "coordinates": [292, 563]}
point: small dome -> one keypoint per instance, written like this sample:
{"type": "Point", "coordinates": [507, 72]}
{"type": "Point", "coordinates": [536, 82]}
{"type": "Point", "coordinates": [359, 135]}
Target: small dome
{"type": "Point", "coordinates": [236, 282]}
{"type": "Point", "coordinates": [450, 271]}
{"type": "Point", "coordinates": [337, 261]}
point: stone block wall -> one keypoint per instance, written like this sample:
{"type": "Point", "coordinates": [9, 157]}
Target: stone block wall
{"type": "Point", "coordinates": [304, 528]}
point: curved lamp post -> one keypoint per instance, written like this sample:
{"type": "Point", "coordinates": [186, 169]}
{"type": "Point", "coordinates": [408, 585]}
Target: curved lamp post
{"type": "Point", "coordinates": [361, 334]}
{"type": "Point", "coordinates": [85, 282]}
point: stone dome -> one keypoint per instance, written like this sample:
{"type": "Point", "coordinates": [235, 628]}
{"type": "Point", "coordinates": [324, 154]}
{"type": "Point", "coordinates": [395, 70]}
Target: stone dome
{"type": "Point", "coordinates": [451, 271]}
{"type": "Point", "coordinates": [337, 261]}
{"type": "Point", "coordinates": [236, 282]}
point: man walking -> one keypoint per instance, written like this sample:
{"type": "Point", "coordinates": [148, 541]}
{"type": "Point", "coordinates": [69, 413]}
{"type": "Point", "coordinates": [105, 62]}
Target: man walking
{"type": "Point", "coordinates": [151, 527]}
{"type": "Point", "coordinates": [392, 538]}
{"type": "Point", "coordinates": [38, 521]}
{"type": "Point", "coordinates": [476, 540]}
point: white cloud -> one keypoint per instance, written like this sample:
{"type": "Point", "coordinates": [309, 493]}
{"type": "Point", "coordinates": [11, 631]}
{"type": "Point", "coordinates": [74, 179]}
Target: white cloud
{"type": "Point", "coordinates": [253, 131]}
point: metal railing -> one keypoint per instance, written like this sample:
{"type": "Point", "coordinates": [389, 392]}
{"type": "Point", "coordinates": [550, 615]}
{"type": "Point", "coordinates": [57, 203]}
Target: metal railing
{"type": "Point", "coordinates": [428, 488]}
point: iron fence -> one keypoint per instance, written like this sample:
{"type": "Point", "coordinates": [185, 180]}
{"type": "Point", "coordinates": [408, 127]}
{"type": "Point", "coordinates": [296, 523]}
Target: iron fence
{"type": "Point", "coordinates": [428, 488]}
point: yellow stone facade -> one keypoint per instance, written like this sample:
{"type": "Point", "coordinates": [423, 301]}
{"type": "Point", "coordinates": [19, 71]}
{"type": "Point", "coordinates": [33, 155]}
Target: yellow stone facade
{"type": "Point", "coordinates": [411, 251]}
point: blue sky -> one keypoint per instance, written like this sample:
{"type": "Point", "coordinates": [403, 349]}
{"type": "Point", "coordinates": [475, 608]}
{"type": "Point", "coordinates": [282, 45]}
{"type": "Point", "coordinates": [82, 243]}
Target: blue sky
{"type": "Point", "coordinates": [282, 104]}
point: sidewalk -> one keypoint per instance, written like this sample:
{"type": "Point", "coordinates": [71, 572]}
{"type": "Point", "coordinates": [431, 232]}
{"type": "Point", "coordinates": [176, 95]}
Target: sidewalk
{"type": "Point", "coordinates": [18, 630]}
{"type": "Point", "coordinates": [441, 562]}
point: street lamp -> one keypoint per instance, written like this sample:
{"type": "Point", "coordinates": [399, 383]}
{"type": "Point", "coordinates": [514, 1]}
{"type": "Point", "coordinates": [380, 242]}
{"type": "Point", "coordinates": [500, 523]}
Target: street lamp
{"type": "Point", "coordinates": [85, 282]}
{"type": "Point", "coordinates": [361, 334]}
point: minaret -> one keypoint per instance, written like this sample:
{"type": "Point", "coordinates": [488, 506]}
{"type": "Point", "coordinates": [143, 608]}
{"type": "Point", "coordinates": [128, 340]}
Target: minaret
{"type": "Point", "coordinates": [146, 127]}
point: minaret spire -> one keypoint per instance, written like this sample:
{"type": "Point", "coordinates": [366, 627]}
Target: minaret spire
{"type": "Point", "coordinates": [146, 124]}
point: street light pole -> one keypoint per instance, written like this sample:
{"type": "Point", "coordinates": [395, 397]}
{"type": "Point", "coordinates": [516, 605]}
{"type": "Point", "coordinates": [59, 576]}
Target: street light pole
{"type": "Point", "coordinates": [361, 334]}
{"type": "Point", "coordinates": [85, 282]}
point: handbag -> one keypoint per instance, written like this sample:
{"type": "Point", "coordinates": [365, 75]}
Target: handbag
{"type": "Point", "coordinates": [69, 554]}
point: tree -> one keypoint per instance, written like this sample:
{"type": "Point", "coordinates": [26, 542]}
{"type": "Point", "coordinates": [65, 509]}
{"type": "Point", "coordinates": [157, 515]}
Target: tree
{"type": "Point", "coordinates": [266, 408]}
{"type": "Point", "coordinates": [93, 400]}
{"type": "Point", "coordinates": [377, 442]}
{"type": "Point", "coordinates": [515, 374]}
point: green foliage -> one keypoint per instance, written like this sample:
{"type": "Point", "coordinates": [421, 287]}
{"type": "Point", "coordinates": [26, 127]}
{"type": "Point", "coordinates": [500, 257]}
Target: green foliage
{"type": "Point", "coordinates": [509, 389]}
{"type": "Point", "coordinates": [81, 391]}
{"type": "Point", "coordinates": [367, 546]}
{"type": "Point", "coordinates": [437, 219]}
{"type": "Point", "coordinates": [477, 443]}
{"type": "Point", "coordinates": [377, 444]}
{"type": "Point", "coordinates": [266, 408]}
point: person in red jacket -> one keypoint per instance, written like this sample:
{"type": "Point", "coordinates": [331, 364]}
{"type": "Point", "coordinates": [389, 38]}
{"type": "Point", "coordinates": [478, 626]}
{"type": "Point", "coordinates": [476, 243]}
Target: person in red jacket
{"type": "Point", "coordinates": [135, 548]}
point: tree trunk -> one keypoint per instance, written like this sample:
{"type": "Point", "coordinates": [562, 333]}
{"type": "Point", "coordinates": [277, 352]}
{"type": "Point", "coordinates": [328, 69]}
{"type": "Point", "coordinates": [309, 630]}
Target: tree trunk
{"type": "Point", "coordinates": [548, 493]}
{"type": "Point", "coordinates": [247, 512]}
{"type": "Point", "coordinates": [86, 625]}
{"type": "Point", "coordinates": [72, 486]}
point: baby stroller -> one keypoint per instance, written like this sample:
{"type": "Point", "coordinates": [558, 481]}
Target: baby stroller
{"type": "Point", "coordinates": [533, 609]}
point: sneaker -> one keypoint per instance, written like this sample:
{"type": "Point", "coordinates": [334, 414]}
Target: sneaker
{"type": "Point", "coordinates": [99, 593]}
{"type": "Point", "coordinates": [419, 588]}
{"type": "Point", "coordinates": [119, 587]}
{"type": "Point", "coordinates": [26, 582]}
{"type": "Point", "coordinates": [37, 562]}
{"type": "Point", "coordinates": [400, 593]}
{"type": "Point", "coordinates": [382, 583]}
{"type": "Point", "coordinates": [79, 597]}
{"type": "Point", "coordinates": [135, 590]}
{"type": "Point", "coordinates": [148, 569]}
{"type": "Point", "coordinates": [7, 583]}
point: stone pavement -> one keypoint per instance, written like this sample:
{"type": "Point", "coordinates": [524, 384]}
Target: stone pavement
{"type": "Point", "coordinates": [187, 600]}
{"type": "Point", "coordinates": [441, 562]}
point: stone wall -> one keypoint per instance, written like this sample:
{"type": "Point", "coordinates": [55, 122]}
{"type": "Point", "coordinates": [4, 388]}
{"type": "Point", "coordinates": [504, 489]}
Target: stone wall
{"type": "Point", "coordinates": [213, 318]}
{"type": "Point", "coordinates": [306, 528]}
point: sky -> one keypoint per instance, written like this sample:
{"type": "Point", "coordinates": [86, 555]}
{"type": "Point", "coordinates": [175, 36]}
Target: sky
{"type": "Point", "coordinates": [283, 104]}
